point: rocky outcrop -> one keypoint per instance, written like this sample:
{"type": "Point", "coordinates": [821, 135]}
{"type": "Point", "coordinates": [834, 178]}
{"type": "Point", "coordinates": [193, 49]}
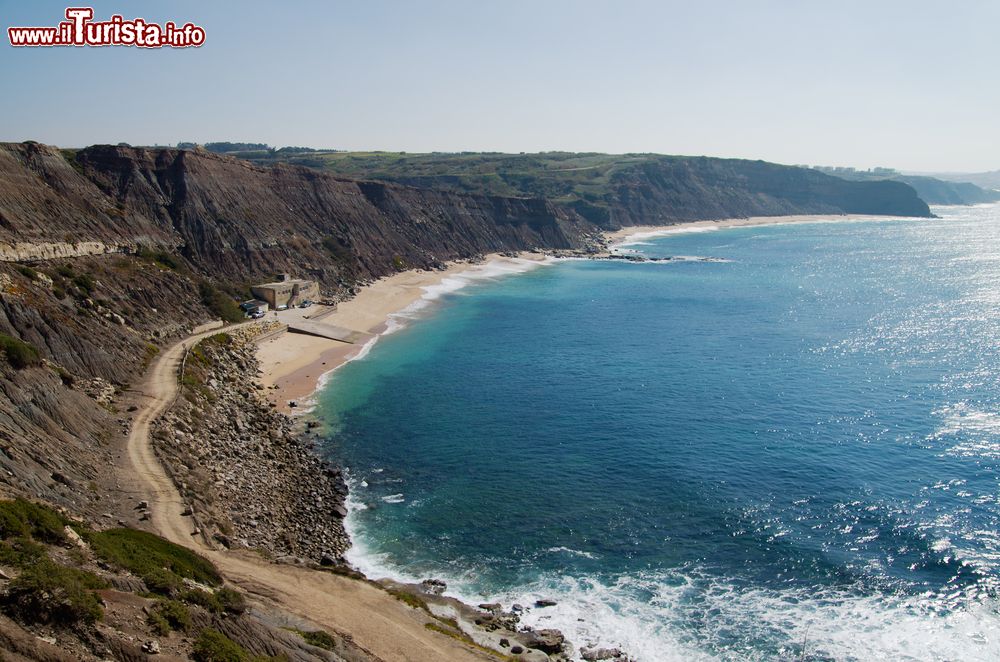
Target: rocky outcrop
{"type": "Point", "coordinates": [33, 252]}
{"type": "Point", "coordinates": [248, 478]}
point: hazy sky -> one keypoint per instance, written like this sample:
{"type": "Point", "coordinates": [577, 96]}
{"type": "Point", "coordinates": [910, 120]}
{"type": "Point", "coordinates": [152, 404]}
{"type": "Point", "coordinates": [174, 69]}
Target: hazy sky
{"type": "Point", "coordinates": [914, 85]}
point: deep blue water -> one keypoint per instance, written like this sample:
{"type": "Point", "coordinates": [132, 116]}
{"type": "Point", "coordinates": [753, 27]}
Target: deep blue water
{"type": "Point", "coordinates": [795, 450]}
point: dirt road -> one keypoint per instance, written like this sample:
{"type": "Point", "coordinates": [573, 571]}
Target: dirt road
{"type": "Point", "coordinates": [376, 621]}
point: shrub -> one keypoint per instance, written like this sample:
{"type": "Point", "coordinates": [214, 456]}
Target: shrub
{"type": "Point", "coordinates": [209, 601]}
{"type": "Point", "coordinates": [225, 599]}
{"type": "Point", "coordinates": [219, 303]}
{"type": "Point", "coordinates": [232, 601]}
{"type": "Point", "coordinates": [70, 156]}
{"type": "Point", "coordinates": [213, 646]}
{"type": "Point", "coordinates": [175, 614]}
{"type": "Point", "coordinates": [20, 552]}
{"type": "Point", "coordinates": [19, 354]}
{"type": "Point", "coordinates": [160, 257]}
{"type": "Point", "coordinates": [320, 639]}
{"type": "Point", "coordinates": [27, 271]}
{"type": "Point", "coordinates": [86, 283]}
{"type": "Point", "coordinates": [159, 624]}
{"type": "Point", "coordinates": [50, 593]}
{"type": "Point", "coordinates": [22, 518]}
{"type": "Point", "coordinates": [145, 554]}
{"type": "Point", "coordinates": [409, 598]}
{"type": "Point", "coordinates": [162, 581]}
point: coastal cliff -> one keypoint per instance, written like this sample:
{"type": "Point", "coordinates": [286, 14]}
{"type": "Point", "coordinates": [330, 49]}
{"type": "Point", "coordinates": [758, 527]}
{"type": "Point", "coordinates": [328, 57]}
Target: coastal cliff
{"type": "Point", "coordinates": [619, 190]}
{"type": "Point", "coordinates": [235, 222]}
{"type": "Point", "coordinates": [111, 255]}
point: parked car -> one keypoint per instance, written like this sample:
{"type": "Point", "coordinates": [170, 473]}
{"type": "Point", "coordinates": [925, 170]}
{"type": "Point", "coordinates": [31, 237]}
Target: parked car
{"type": "Point", "coordinates": [305, 304]}
{"type": "Point", "coordinates": [282, 307]}
{"type": "Point", "coordinates": [257, 314]}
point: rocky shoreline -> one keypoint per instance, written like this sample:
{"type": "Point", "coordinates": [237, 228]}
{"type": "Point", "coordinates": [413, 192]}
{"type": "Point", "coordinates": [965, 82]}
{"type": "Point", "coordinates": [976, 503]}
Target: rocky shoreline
{"type": "Point", "coordinates": [251, 480]}
{"type": "Point", "coordinates": [248, 479]}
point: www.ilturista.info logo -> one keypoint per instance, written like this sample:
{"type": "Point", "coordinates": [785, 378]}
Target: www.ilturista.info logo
{"type": "Point", "coordinates": [80, 30]}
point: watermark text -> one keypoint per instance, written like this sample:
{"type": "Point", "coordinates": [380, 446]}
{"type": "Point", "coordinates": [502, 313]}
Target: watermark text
{"type": "Point", "coordinates": [79, 29]}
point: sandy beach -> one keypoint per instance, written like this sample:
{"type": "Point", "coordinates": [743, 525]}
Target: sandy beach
{"type": "Point", "coordinates": [295, 362]}
{"type": "Point", "coordinates": [637, 232]}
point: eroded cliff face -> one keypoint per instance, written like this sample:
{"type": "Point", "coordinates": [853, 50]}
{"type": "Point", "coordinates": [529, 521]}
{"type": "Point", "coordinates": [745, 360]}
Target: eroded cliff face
{"type": "Point", "coordinates": [239, 222]}
{"type": "Point", "coordinates": [93, 324]}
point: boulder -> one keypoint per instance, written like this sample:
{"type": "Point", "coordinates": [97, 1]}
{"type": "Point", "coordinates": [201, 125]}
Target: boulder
{"type": "Point", "coordinates": [433, 586]}
{"type": "Point", "coordinates": [596, 654]}
{"type": "Point", "coordinates": [548, 641]}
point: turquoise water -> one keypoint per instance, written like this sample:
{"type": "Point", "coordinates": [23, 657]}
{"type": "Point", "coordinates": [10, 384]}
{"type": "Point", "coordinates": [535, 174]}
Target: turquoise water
{"type": "Point", "coordinates": [793, 453]}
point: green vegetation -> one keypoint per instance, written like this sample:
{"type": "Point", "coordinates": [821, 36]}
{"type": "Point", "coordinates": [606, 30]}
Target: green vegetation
{"type": "Point", "coordinates": [23, 519]}
{"type": "Point", "coordinates": [320, 639]}
{"type": "Point", "coordinates": [161, 258]}
{"type": "Point", "coordinates": [199, 363]}
{"type": "Point", "coordinates": [70, 156]}
{"type": "Point", "coordinates": [213, 646]}
{"type": "Point", "coordinates": [559, 176]}
{"type": "Point", "coordinates": [170, 615]}
{"type": "Point", "coordinates": [47, 592]}
{"type": "Point", "coordinates": [223, 600]}
{"type": "Point", "coordinates": [409, 598]}
{"type": "Point", "coordinates": [20, 552]}
{"type": "Point", "coordinates": [220, 304]}
{"type": "Point", "coordinates": [156, 560]}
{"type": "Point", "coordinates": [19, 354]}
{"type": "Point", "coordinates": [27, 271]}
{"type": "Point", "coordinates": [86, 283]}
{"type": "Point", "coordinates": [58, 592]}
{"type": "Point", "coordinates": [163, 582]}
{"type": "Point", "coordinates": [458, 635]}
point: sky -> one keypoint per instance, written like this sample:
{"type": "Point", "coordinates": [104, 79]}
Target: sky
{"type": "Point", "coordinates": [912, 85]}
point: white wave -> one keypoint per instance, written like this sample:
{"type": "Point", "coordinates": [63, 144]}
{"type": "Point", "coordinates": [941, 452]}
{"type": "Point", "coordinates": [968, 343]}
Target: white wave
{"type": "Point", "coordinates": [325, 378]}
{"type": "Point", "coordinates": [670, 617]}
{"type": "Point", "coordinates": [639, 238]}
{"type": "Point", "coordinates": [830, 623]}
{"type": "Point", "coordinates": [571, 552]}
{"type": "Point", "coordinates": [394, 498]}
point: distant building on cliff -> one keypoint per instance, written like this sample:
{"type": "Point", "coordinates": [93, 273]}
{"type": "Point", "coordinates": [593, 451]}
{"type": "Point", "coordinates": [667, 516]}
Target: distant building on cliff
{"type": "Point", "coordinates": [286, 291]}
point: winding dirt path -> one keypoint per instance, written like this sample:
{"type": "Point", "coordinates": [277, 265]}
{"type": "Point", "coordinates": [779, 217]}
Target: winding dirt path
{"type": "Point", "coordinates": [376, 621]}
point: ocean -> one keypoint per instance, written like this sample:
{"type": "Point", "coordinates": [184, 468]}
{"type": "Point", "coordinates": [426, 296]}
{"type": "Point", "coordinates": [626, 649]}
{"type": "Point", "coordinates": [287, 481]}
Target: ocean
{"type": "Point", "coordinates": [789, 452]}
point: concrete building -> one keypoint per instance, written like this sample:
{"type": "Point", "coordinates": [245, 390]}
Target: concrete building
{"type": "Point", "coordinates": [286, 291]}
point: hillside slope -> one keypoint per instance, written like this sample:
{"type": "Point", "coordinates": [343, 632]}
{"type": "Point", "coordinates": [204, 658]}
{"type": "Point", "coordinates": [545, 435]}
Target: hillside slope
{"type": "Point", "coordinates": [616, 190]}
